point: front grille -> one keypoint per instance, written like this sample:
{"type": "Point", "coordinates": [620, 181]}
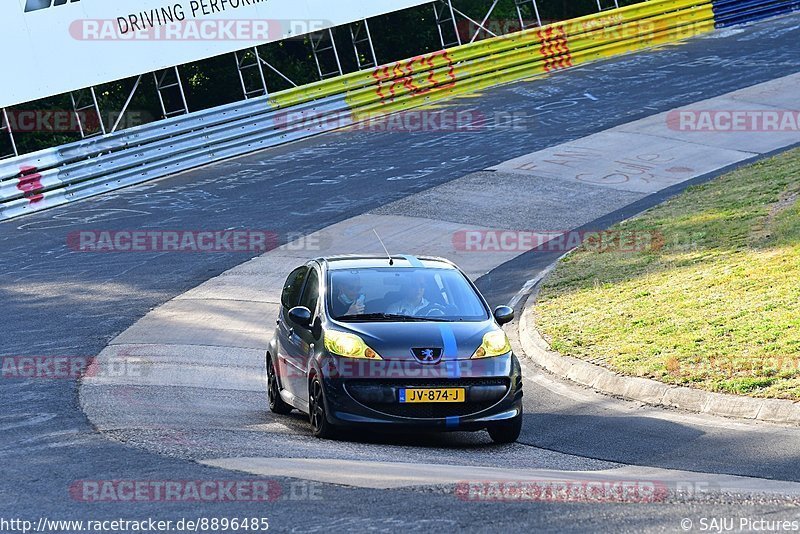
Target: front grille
{"type": "Point", "coordinates": [382, 396]}
{"type": "Point", "coordinates": [432, 411]}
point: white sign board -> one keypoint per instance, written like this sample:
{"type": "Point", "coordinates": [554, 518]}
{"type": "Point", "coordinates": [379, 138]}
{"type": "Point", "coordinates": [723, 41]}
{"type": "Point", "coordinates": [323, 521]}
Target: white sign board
{"type": "Point", "coordinates": [55, 46]}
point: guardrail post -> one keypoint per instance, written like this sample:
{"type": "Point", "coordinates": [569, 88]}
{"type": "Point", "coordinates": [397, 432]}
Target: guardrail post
{"type": "Point", "coordinates": [600, 6]}
{"type": "Point", "coordinates": [77, 97]}
{"type": "Point", "coordinates": [482, 25]}
{"type": "Point", "coordinates": [163, 85]}
{"type": "Point", "coordinates": [372, 60]}
{"type": "Point", "coordinates": [126, 104]}
{"type": "Point", "coordinates": [443, 14]}
{"type": "Point", "coordinates": [448, 14]}
{"type": "Point", "coordinates": [317, 49]}
{"type": "Point", "coordinates": [5, 126]}
{"type": "Point", "coordinates": [521, 5]}
{"type": "Point", "coordinates": [242, 65]}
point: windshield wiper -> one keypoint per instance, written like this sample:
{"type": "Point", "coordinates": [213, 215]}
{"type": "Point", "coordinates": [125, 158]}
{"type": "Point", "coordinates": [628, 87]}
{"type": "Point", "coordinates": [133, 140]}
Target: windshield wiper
{"type": "Point", "coordinates": [388, 317]}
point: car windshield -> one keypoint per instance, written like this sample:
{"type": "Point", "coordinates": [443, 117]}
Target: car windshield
{"type": "Point", "coordinates": [403, 294]}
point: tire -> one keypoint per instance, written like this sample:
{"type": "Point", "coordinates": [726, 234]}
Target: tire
{"type": "Point", "coordinates": [506, 431]}
{"type": "Point", "coordinates": [317, 415]}
{"type": "Point", "coordinates": [276, 403]}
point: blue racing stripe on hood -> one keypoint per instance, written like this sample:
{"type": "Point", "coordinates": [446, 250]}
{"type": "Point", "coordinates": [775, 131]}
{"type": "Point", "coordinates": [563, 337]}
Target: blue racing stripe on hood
{"type": "Point", "coordinates": [450, 352]}
{"type": "Point", "coordinates": [449, 342]}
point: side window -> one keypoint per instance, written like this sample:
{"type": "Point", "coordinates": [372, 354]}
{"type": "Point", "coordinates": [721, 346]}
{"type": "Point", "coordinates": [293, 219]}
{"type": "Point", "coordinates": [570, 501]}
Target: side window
{"type": "Point", "coordinates": [311, 293]}
{"type": "Point", "coordinates": [294, 285]}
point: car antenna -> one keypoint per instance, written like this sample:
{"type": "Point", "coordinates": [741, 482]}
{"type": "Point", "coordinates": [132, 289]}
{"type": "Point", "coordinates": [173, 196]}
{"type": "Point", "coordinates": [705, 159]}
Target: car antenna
{"type": "Point", "coordinates": [391, 261]}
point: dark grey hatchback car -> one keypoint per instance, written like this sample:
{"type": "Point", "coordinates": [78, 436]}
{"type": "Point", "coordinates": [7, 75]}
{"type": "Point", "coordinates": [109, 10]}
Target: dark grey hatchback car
{"type": "Point", "coordinates": [407, 342]}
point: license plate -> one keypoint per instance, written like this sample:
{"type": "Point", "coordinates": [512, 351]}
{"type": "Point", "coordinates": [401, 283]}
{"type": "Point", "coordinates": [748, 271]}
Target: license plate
{"type": "Point", "coordinates": [416, 395]}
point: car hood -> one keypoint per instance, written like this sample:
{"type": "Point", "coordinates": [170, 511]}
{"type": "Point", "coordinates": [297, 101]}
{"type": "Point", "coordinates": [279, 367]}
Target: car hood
{"type": "Point", "coordinates": [394, 341]}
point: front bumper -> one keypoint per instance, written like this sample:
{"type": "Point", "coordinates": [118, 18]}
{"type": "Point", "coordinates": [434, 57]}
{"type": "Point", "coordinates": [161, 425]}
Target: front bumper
{"type": "Point", "coordinates": [367, 393]}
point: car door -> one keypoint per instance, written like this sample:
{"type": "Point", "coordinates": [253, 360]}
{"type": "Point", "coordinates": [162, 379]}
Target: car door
{"type": "Point", "coordinates": [304, 337]}
{"type": "Point", "coordinates": [288, 344]}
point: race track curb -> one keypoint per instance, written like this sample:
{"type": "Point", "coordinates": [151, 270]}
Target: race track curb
{"type": "Point", "coordinates": [645, 390]}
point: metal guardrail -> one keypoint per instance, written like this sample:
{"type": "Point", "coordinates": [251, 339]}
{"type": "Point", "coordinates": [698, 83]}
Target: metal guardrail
{"type": "Point", "coordinates": [729, 12]}
{"type": "Point", "coordinates": [153, 146]}
{"type": "Point", "coordinates": [56, 176]}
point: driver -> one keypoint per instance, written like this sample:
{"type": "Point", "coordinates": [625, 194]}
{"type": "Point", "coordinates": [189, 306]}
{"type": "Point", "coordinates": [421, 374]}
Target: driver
{"type": "Point", "coordinates": [413, 300]}
{"type": "Point", "coordinates": [349, 299]}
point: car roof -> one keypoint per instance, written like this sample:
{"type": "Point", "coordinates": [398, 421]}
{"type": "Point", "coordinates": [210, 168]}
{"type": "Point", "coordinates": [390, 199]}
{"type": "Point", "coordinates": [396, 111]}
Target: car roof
{"type": "Point", "coordinates": [335, 263]}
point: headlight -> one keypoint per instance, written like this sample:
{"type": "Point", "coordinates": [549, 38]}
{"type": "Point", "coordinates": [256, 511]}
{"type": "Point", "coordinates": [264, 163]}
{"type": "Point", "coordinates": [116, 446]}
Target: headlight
{"type": "Point", "coordinates": [495, 343]}
{"type": "Point", "coordinates": [349, 346]}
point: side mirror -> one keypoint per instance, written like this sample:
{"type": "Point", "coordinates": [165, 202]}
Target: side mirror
{"type": "Point", "coordinates": [300, 315]}
{"type": "Point", "coordinates": [503, 315]}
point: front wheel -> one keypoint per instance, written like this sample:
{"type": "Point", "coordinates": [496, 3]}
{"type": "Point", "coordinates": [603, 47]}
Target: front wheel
{"type": "Point", "coordinates": [317, 415]}
{"type": "Point", "coordinates": [506, 431]}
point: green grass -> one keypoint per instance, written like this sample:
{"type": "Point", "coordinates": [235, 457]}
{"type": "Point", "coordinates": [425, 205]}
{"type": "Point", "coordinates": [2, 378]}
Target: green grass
{"type": "Point", "coordinates": [714, 303]}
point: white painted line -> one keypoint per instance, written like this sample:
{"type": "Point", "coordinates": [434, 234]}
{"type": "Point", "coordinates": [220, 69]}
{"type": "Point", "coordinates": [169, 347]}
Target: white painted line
{"type": "Point", "coordinates": [388, 475]}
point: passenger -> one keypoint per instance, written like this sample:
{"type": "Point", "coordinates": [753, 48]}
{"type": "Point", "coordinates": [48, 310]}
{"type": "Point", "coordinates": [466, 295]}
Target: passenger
{"type": "Point", "coordinates": [413, 298]}
{"type": "Point", "coordinates": [349, 299]}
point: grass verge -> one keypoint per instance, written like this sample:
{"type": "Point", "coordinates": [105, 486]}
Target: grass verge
{"type": "Point", "coordinates": [711, 301]}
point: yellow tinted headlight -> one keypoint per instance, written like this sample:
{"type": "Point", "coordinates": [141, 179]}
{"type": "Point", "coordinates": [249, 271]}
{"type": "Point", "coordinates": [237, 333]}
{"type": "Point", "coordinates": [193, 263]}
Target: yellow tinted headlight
{"type": "Point", "coordinates": [349, 346]}
{"type": "Point", "coordinates": [495, 343]}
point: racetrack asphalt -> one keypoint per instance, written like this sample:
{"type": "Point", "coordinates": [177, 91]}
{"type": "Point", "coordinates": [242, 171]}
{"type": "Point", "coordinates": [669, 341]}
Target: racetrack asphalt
{"type": "Point", "coordinates": [62, 303]}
